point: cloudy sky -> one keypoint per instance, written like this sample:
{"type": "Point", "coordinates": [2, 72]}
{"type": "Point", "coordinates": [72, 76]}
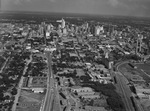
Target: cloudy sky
{"type": "Point", "coordinates": [106, 7]}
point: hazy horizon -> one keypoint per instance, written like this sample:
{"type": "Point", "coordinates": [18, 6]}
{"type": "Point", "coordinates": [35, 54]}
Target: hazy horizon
{"type": "Point", "coordinates": [137, 8]}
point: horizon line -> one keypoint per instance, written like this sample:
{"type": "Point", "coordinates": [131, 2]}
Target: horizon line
{"type": "Point", "coordinates": [84, 14]}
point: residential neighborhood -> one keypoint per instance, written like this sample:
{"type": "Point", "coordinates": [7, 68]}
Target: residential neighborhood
{"type": "Point", "coordinates": [74, 65]}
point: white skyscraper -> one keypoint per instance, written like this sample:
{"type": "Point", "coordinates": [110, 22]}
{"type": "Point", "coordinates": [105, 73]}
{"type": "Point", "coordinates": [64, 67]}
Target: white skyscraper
{"type": "Point", "coordinates": [49, 27]}
{"type": "Point", "coordinates": [65, 31]}
{"type": "Point", "coordinates": [63, 23]}
{"type": "Point", "coordinates": [97, 30]}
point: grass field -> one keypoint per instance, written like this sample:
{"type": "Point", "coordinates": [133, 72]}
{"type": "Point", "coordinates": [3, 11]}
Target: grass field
{"type": "Point", "coordinates": [80, 72]}
{"type": "Point", "coordinates": [145, 67]}
{"type": "Point", "coordinates": [128, 71]}
{"type": "Point", "coordinates": [29, 101]}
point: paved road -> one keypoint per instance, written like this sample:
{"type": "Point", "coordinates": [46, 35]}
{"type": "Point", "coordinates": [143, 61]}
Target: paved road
{"type": "Point", "coordinates": [5, 64]}
{"type": "Point", "coordinates": [57, 106]}
{"type": "Point", "coordinates": [50, 85]}
{"type": "Point", "coordinates": [51, 102]}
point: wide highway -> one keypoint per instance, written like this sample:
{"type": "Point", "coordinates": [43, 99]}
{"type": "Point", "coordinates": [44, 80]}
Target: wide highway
{"type": "Point", "coordinates": [51, 102]}
{"type": "Point", "coordinates": [49, 98]}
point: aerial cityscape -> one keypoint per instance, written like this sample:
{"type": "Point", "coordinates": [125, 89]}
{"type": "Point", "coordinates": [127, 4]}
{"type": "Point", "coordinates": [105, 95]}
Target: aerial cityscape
{"type": "Point", "coordinates": [66, 61]}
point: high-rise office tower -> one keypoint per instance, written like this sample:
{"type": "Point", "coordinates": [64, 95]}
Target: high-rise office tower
{"type": "Point", "coordinates": [76, 29]}
{"type": "Point", "coordinates": [49, 27]}
{"type": "Point", "coordinates": [86, 27]}
{"type": "Point", "coordinates": [139, 43]}
{"type": "Point", "coordinates": [41, 30]}
{"type": "Point", "coordinates": [92, 29]}
{"type": "Point", "coordinates": [97, 30]}
{"type": "Point", "coordinates": [63, 23]}
{"type": "Point", "coordinates": [65, 31]}
{"type": "Point", "coordinates": [72, 29]}
{"type": "Point", "coordinates": [59, 26]}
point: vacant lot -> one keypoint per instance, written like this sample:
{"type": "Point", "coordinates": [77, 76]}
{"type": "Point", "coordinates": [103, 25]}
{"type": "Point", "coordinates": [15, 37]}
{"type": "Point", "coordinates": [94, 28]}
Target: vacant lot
{"type": "Point", "coordinates": [145, 67]}
{"type": "Point", "coordinates": [128, 71]}
{"type": "Point", "coordinates": [29, 101]}
{"type": "Point", "coordinates": [80, 72]}
{"type": "Point", "coordinates": [39, 82]}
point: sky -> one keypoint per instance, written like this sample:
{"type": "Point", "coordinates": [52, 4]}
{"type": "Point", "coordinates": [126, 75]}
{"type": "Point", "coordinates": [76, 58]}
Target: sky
{"type": "Point", "coordinates": [100, 7]}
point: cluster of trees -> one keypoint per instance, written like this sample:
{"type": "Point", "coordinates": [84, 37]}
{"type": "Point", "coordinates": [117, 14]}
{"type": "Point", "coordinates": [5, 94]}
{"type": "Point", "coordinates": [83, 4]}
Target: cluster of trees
{"type": "Point", "coordinates": [35, 69]}
{"type": "Point", "coordinates": [6, 54]}
{"type": "Point", "coordinates": [6, 106]}
{"type": "Point", "coordinates": [13, 70]}
{"type": "Point", "coordinates": [71, 74]}
{"type": "Point", "coordinates": [85, 78]}
{"type": "Point", "coordinates": [113, 100]}
{"type": "Point", "coordinates": [89, 56]}
{"type": "Point", "coordinates": [131, 56]}
{"type": "Point", "coordinates": [66, 57]}
{"type": "Point", "coordinates": [64, 65]}
{"type": "Point", "coordinates": [26, 55]}
{"type": "Point", "coordinates": [2, 60]}
{"type": "Point", "coordinates": [116, 54]}
{"type": "Point", "coordinates": [132, 88]}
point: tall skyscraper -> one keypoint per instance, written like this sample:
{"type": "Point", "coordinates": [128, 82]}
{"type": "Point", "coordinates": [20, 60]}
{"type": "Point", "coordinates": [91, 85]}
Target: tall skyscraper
{"type": "Point", "coordinates": [41, 30]}
{"type": "Point", "coordinates": [65, 31]}
{"type": "Point", "coordinates": [139, 43]}
{"type": "Point", "coordinates": [49, 27]}
{"type": "Point", "coordinates": [97, 30]}
{"type": "Point", "coordinates": [63, 23]}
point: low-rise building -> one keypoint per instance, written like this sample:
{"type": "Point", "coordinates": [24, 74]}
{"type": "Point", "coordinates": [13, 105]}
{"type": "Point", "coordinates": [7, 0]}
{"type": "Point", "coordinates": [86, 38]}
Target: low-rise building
{"type": "Point", "coordinates": [38, 90]}
{"type": "Point", "coordinates": [91, 96]}
{"type": "Point", "coordinates": [94, 108]}
{"type": "Point", "coordinates": [143, 96]}
{"type": "Point", "coordinates": [79, 89]}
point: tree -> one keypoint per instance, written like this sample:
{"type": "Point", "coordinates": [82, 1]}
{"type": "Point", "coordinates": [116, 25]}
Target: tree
{"type": "Point", "coordinates": [85, 78]}
{"type": "Point", "coordinates": [1, 96]}
{"type": "Point", "coordinates": [132, 88]}
{"type": "Point", "coordinates": [14, 91]}
{"type": "Point", "coordinates": [115, 104]}
{"type": "Point", "coordinates": [7, 97]}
